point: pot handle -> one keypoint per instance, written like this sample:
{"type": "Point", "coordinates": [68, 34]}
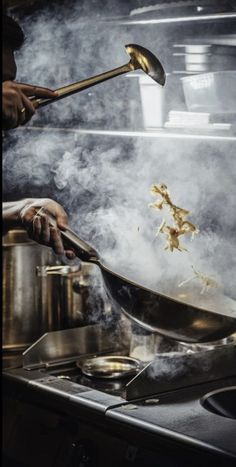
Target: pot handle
{"type": "Point", "coordinates": [62, 269]}
{"type": "Point", "coordinates": [71, 240]}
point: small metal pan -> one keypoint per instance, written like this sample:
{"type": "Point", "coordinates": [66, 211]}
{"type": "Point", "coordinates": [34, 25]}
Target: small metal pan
{"type": "Point", "coordinates": [109, 367]}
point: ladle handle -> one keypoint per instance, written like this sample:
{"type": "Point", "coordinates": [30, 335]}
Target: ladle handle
{"type": "Point", "coordinates": [71, 240]}
{"type": "Point", "coordinates": [84, 84]}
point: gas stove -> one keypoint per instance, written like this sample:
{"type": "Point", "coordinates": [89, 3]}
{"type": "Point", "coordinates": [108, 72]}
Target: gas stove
{"type": "Point", "coordinates": [181, 401]}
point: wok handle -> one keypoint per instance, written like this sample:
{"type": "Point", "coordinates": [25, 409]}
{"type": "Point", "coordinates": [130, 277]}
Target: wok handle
{"type": "Point", "coordinates": [82, 250]}
{"type": "Point", "coordinates": [71, 240]}
{"type": "Point", "coordinates": [81, 85]}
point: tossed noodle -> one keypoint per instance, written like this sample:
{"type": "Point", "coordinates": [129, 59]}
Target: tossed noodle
{"type": "Point", "coordinates": [180, 225]}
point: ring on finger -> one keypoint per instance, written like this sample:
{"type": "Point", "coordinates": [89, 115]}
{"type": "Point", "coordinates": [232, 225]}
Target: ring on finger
{"type": "Point", "coordinates": [22, 115]}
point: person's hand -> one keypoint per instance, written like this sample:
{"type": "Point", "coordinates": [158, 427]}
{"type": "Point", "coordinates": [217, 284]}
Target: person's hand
{"type": "Point", "coordinates": [39, 228]}
{"type": "Point", "coordinates": [17, 108]}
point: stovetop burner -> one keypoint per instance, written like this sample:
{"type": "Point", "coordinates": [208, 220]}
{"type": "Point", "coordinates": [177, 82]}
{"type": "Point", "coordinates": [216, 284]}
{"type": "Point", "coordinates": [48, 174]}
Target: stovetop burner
{"type": "Point", "coordinates": [72, 373]}
{"type": "Point", "coordinates": [172, 368]}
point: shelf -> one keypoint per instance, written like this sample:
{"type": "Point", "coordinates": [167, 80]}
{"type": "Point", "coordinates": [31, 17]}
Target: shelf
{"type": "Point", "coordinates": [133, 134]}
{"type": "Point", "coordinates": [149, 18]}
{"type": "Point", "coordinates": [180, 19]}
{"type": "Point", "coordinates": [134, 21]}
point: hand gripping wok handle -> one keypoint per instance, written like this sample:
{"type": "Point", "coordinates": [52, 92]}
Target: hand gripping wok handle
{"type": "Point", "coordinates": [82, 250]}
{"type": "Point", "coordinates": [71, 240]}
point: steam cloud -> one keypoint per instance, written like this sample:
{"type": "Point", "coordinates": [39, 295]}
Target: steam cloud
{"type": "Point", "coordinates": [104, 183]}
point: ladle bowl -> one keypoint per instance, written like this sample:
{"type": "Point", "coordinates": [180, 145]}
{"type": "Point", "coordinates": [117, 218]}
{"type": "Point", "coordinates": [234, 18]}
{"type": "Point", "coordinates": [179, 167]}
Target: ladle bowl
{"type": "Point", "coordinates": [145, 60]}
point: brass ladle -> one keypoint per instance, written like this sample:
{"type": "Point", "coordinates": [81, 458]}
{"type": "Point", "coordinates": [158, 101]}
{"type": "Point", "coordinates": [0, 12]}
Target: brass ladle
{"type": "Point", "coordinates": [141, 59]}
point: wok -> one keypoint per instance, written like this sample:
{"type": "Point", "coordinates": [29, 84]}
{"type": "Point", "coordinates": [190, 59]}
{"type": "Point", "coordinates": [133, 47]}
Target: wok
{"type": "Point", "coordinates": [154, 311]}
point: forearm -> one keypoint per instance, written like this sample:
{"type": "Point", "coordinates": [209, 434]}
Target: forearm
{"type": "Point", "coordinates": [11, 213]}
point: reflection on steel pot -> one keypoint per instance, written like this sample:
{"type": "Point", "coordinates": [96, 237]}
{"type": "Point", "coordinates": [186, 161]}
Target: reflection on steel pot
{"type": "Point", "coordinates": [21, 289]}
{"type": "Point", "coordinates": [60, 307]}
{"type": "Point", "coordinates": [69, 296]}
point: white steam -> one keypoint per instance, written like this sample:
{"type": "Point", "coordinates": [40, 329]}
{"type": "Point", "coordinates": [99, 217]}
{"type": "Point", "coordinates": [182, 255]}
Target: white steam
{"type": "Point", "coordinates": [104, 183]}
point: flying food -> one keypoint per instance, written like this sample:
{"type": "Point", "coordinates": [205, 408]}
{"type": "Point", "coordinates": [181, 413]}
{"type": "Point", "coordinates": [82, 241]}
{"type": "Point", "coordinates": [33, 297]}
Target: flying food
{"type": "Point", "coordinates": [180, 225]}
{"type": "Point", "coordinates": [206, 281]}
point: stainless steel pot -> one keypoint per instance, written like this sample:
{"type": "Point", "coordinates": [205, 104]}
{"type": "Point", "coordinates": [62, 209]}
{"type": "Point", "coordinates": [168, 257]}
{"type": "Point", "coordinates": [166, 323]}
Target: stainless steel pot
{"type": "Point", "coordinates": [21, 289]}
{"type": "Point", "coordinates": [63, 293]}
{"type": "Point", "coordinates": [40, 294]}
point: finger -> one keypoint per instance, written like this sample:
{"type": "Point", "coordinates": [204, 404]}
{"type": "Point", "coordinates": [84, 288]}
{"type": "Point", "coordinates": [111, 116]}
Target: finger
{"type": "Point", "coordinates": [45, 232]}
{"type": "Point", "coordinates": [56, 213]}
{"type": "Point", "coordinates": [30, 230]}
{"type": "Point", "coordinates": [37, 228]}
{"type": "Point", "coordinates": [61, 218]}
{"type": "Point", "coordinates": [29, 109]}
{"type": "Point", "coordinates": [21, 113]}
{"type": "Point", "coordinates": [37, 91]}
{"type": "Point", "coordinates": [27, 216]}
{"type": "Point", "coordinates": [21, 116]}
{"type": "Point", "coordinates": [19, 109]}
{"type": "Point", "coordinates": [56, 242]}
{"type": "Point", "coordinates": [62, 222]}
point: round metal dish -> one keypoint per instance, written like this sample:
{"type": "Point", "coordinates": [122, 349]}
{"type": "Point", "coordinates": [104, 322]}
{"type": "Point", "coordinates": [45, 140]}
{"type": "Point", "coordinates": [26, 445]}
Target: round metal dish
{"type": "Point", "coordinates": [109, 367]}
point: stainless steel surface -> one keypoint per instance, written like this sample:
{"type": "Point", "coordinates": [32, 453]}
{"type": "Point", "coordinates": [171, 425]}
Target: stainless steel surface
{"type": "Point", "coordinates": [141, 59]}
{"type": "Point", "coordinates": [22, 304]}
{"type": "Point", "coordinates": [67, 345]}
{"type": "Point", "coordinates": [94, 357]}
{"type": "Point", "coordinates": [203, 58]}
{"type": "Point", "coordinates": [109, 367]}
{"type": "Point", "coordinates": [186, 347]}
{"type": "Point", "coordinates": [203, 49]}
{"type": "Point", "coordinates": [154, 311]}
{"type": "Point", "coordinates": [11, 359]}
{"type": "Point", "coordinates": [172, 370]}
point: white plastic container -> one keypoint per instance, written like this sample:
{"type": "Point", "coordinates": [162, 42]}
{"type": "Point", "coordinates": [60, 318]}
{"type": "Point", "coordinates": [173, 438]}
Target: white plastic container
{"type": "Point", "coordinates": [213, 92]}
{"type": "Point", "coordinates": [152, 99]}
